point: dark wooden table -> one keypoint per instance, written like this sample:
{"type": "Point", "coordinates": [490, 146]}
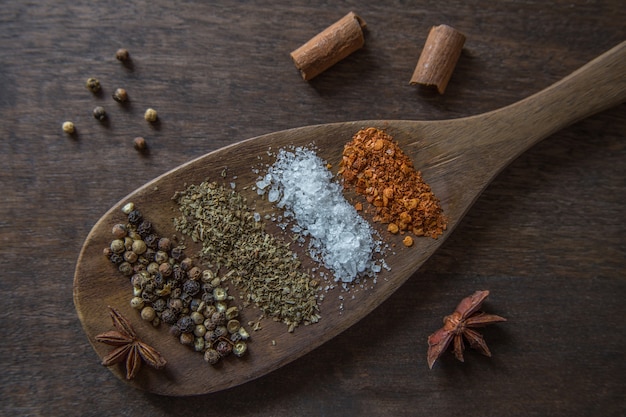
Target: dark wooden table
{"type": "Point", "coordinates": [548, 237]}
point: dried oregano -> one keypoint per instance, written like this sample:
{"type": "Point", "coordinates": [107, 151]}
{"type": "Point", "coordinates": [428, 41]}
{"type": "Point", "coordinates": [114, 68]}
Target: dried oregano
{"type": "Point", "coordinates": [265, 270]}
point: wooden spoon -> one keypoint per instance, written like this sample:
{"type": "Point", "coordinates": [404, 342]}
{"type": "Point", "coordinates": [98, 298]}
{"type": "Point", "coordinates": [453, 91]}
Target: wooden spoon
{"type": "Point", "coordinates": [459, 158]}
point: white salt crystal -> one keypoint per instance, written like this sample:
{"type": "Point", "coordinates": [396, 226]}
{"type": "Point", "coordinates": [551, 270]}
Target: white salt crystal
{"type": "Point", "coordinates": [340, 238]}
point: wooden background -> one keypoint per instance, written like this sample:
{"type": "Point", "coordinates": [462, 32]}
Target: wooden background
{"type": "Point", "coordinates": [548, 237]}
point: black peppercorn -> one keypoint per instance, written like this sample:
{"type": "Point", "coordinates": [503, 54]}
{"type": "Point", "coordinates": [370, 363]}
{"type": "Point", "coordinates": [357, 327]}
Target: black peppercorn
{"type": "Point", "coordinates": [178, 274]}
{"type": "Point", "coordinates": [159, 280]}
{"type": "Point", "coordinates": [159, 305]}
{"type": "Point", "coordinates": [207, 297]}
{"type": "Point", "coordinates": [135, 217]}
{"type": "Point", "coordinates": [99, 113]}
{"type": "Point", "coordinates": [186, 324]}
{"type": "Point", "coordinates": [152, 242]}
{"type": "Point", "coordinates": [177, 253]}
{"type": "Point", "coordinates": [186, 264]}
{"type": "Point", "coordinates": [116, 258]}
{"type": "Point", "coordinates": [176, 304]}
{"type": "Point", "coordinates": [195, 303]}
{"type": "Point", "coordinates": [224, 348]}
{"type": "Point", "coordinates": [169, 316]}
{"type": "Point", "coordinates": [218, 318]}
{"type": "Point", "coordinates": [144, 228]}
{"type": "Point", "coordinates": [191, 287]}
{"type": "Point", "coordinates": [220, 331]}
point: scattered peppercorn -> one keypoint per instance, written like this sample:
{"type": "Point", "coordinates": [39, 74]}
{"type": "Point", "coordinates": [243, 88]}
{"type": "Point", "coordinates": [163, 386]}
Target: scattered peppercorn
{"type": "Point", "coordinates": [122, 55]}
{"type": "Point", "coordinates": [93, 85]}
{"type": "Point", "coordinates": [140, 144]}
{"type": "Point", "coordinates": [151, 115]}
{"type": "Point", "coordinates": [120, 95]}
{"type": "Point", "coordinates": [68, 127]}
{"type": "Point", "coordinates": [99, 113]}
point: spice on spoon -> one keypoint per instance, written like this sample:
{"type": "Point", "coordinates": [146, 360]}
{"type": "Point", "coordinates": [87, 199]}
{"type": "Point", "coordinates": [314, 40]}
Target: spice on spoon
{"type": "Point", "coordinates": [300, 183]}
{"type": "Point", "coordinates": [377, 168]}
{"type": "Point", "coordinates": [167, 287]}
{"type": "Point", "coordinates": [263, 268]}
{"type": "Point", "coordinates": [461, 324]}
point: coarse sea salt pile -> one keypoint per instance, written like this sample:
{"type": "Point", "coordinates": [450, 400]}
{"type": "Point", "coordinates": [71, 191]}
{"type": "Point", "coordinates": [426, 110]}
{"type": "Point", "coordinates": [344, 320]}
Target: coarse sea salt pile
{"type": "Point", "coordinates": [300, 184]}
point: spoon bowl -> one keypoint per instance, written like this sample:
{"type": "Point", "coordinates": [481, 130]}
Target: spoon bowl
{"type": "Point", "coordinates": [458, 158]}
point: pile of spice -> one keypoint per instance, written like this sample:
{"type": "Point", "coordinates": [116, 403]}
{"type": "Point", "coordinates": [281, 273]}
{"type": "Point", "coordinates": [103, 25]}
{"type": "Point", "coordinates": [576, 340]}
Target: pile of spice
{"type": "Point", "coordinates": [300, 183]}
{"type": "Point", "coordinates": [378, 169]}
{"type": "Point", "coordinates": [168, 288]}
{"type": "Point", "coordinates": [266, 271]}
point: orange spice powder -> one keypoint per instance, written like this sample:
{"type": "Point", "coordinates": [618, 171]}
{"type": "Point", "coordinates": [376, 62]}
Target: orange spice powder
{"type": "Point", "coordinates": [377, 168]}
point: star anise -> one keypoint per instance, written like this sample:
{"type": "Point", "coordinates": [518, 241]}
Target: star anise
{"type": "Point", "coordinates": [460, 324]}
{"type": "Point", "coordinates": [128, 348]}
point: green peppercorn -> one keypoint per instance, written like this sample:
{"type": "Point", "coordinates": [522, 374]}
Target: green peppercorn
{"type": "Point", "coordinates": [197, 318]}
{"type": "Point", "coordinates": [240, 349]}
{"type": "Point", "coordinates": [243, 333]}
{"type": "Point", "coordinates": [232, 312]}
{"type": "Point", "coordinates": [148, 313]}
{"type": "Point", "coordinates": [93, 85]}
{"type": "Point", "coordinates": [99, 113]}
{"type": "Point", "coordinates": [120, 95]}
{"type": "Point", "coordinates": [117, 246]}
{"type": "Point", "coordinates": [199, 330]}
{"type": "Point", "coordinates": [122, 55]}
{"type": "Point", "coordinates": [220, 294]}
{"type": "Point", "coordinates": [128, 207]}
{"type": "Point", "coordinates": [152, 268]}
{"type": "Point", "coordinates": [207, 276]}
{"type": "Point", "coordinates": [68, 127]}
{"type": "Point", "coordinates": [233, 326]}
{"type": "Point", "coordinates": [139, 247]}
{"type": "Point", "coordinates": [198, 344]}
{"type": "Point", "coordinates": [151, 115]}
{"type": "Point", "coordinates": [137, 303]}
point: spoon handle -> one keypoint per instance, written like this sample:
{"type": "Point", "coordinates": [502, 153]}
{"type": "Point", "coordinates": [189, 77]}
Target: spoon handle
{"type": "Point", "coordinates": [597, 86]}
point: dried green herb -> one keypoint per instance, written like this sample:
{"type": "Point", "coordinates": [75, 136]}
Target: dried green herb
{"type": "Point", "coordinates": [264, 269]}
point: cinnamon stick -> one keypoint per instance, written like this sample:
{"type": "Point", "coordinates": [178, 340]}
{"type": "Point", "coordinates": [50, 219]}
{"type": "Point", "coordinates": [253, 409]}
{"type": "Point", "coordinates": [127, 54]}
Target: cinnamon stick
{"type": "Point", "coordinates": [439, 57]}
{"type": "Point", "coordinates": [330, 46]}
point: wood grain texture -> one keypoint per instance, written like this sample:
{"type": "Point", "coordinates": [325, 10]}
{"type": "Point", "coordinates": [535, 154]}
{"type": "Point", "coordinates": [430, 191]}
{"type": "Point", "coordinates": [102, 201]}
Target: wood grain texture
{"type": "Point", "coordinates": [546, 238]}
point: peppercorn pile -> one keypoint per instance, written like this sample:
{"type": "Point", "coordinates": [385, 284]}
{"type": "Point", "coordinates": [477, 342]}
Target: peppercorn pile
{"type": "Point", "coordinates": [168, 288]}
{"type": "Point", "coordinates": [378, 169]}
